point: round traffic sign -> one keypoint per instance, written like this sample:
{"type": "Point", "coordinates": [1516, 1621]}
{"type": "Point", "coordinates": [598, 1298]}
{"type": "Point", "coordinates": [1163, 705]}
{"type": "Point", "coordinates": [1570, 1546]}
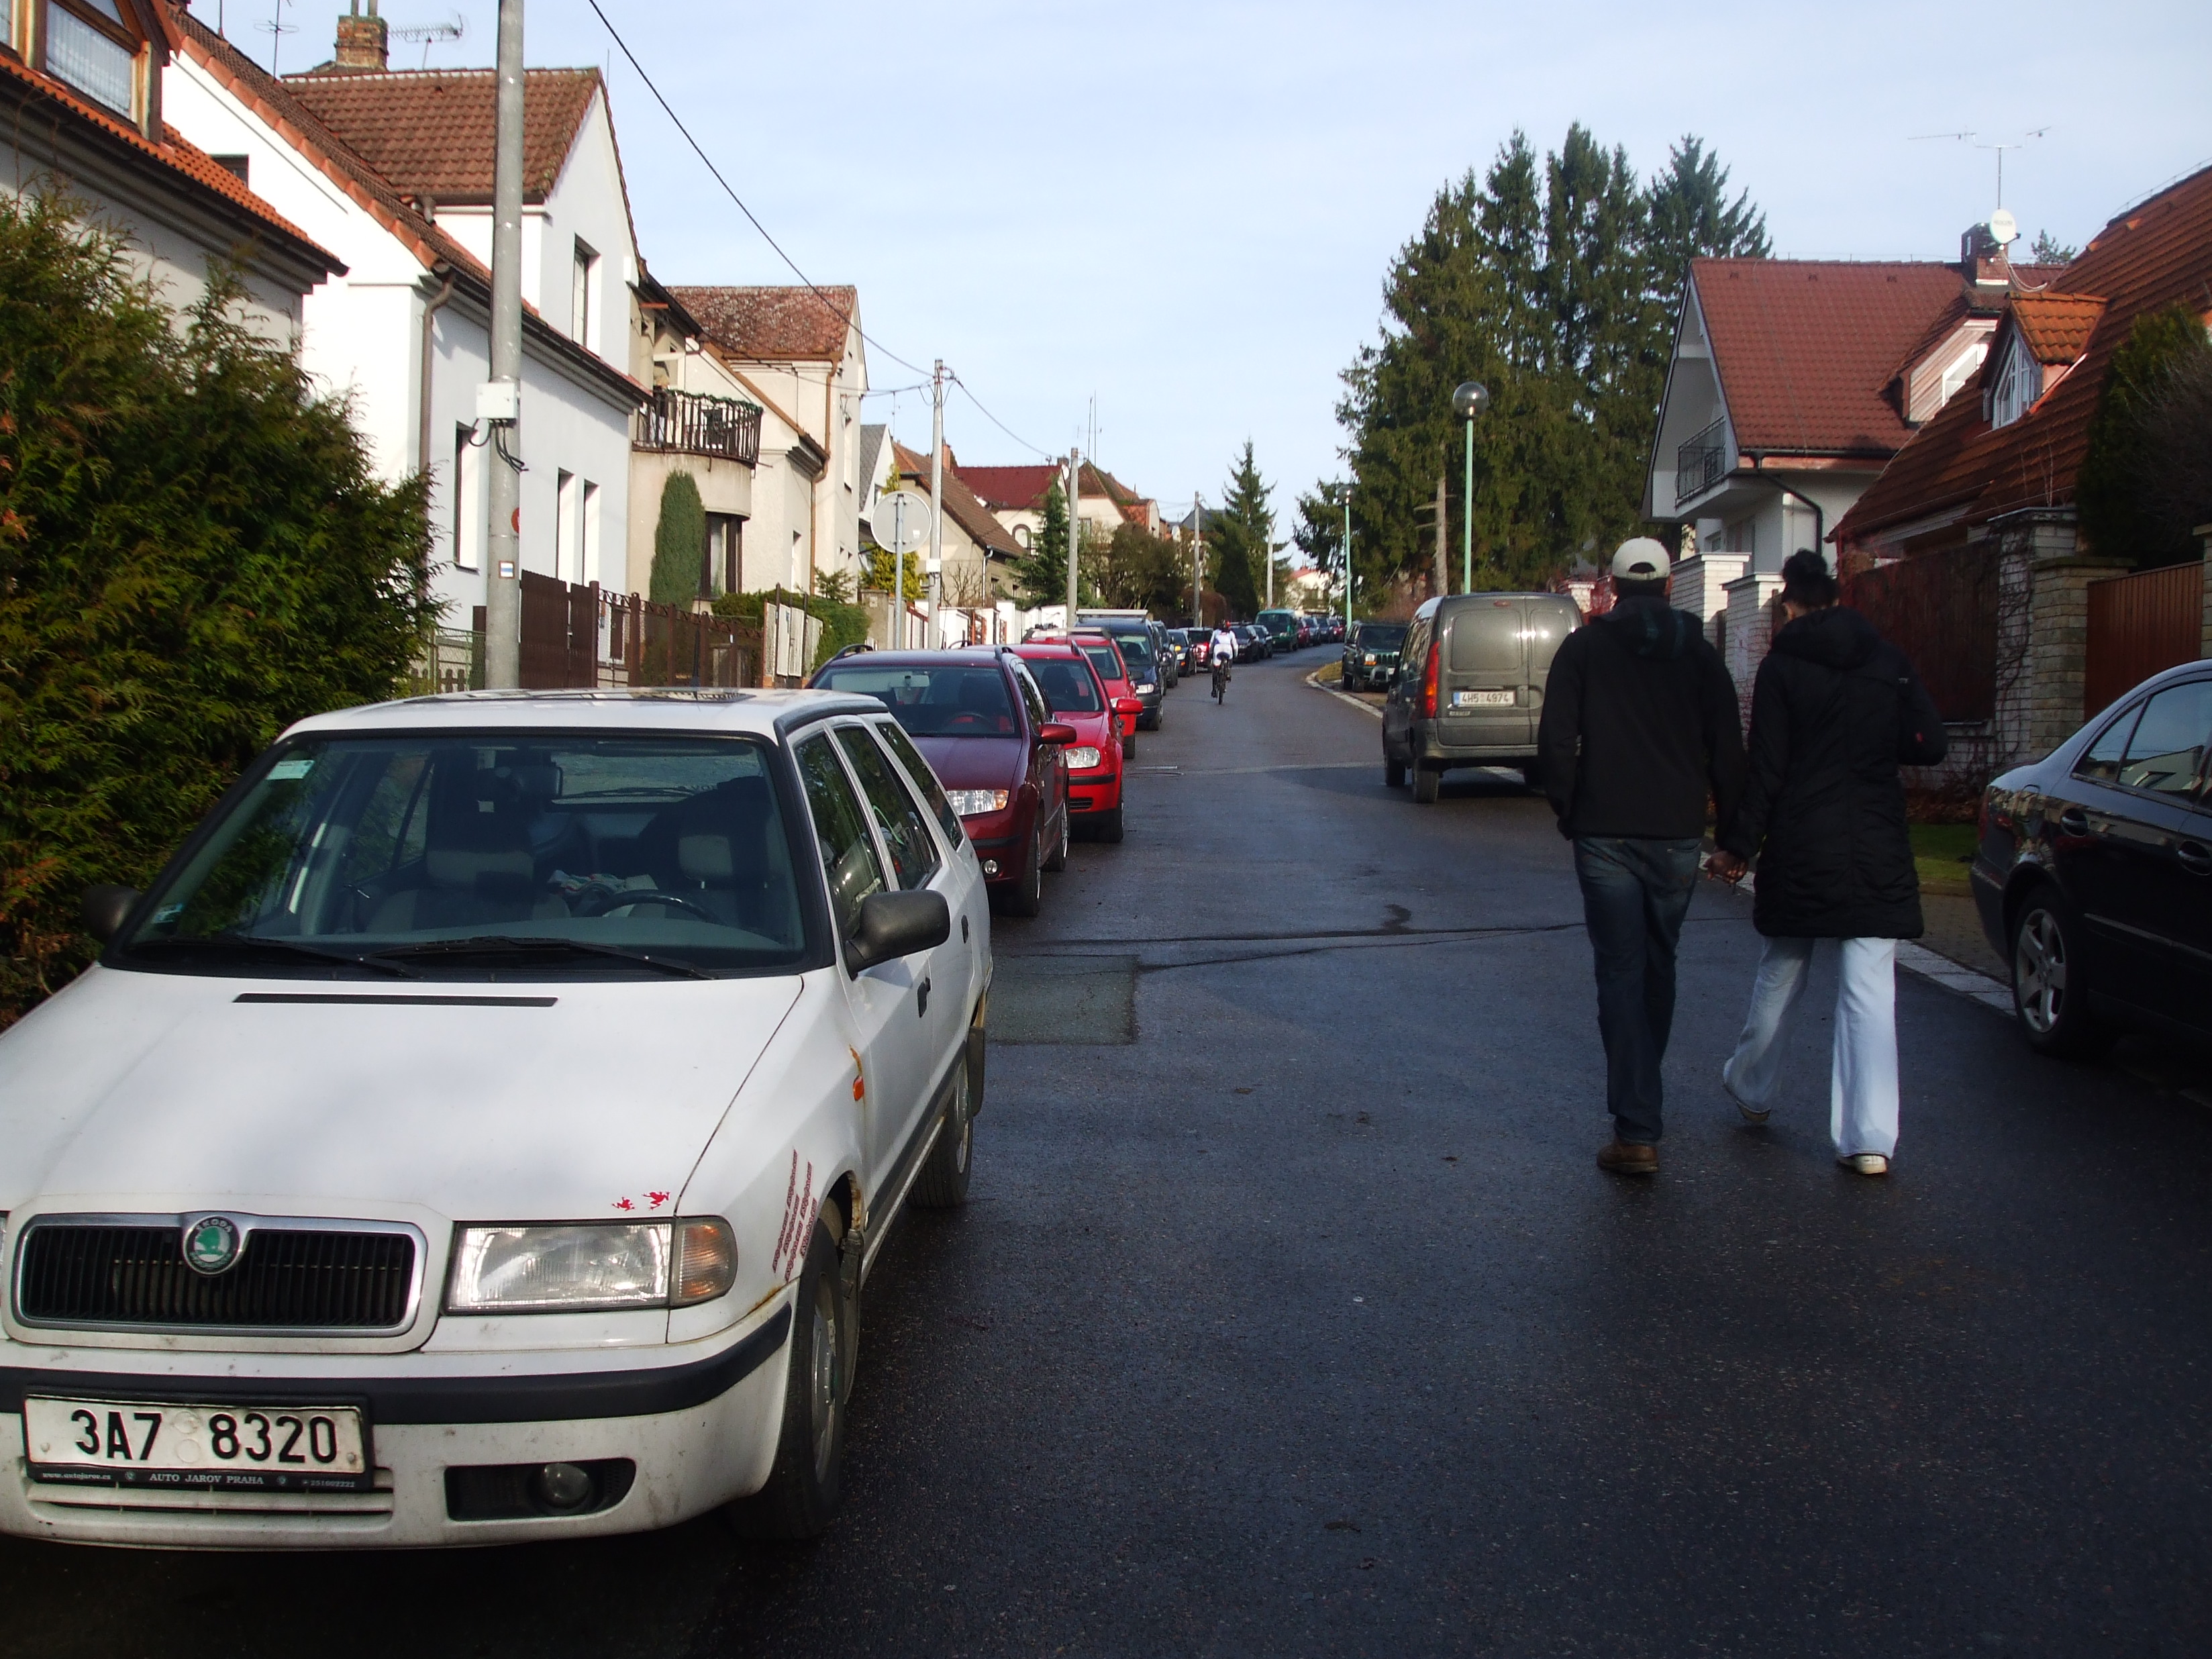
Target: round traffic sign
{"type": "Point", "coordinates": [901, 521]}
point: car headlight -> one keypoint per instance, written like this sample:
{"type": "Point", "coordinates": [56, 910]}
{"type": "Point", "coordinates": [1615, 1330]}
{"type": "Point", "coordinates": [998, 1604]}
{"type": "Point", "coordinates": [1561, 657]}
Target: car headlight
{"type": "Point", "coordinates": [1082, 759]}
{"type": "Point", "coordinates": [581, 1266]}
{"type": "Point", "coordinates": [969, 803]}
{"type": "Point", "coordinates": [1146, 686]}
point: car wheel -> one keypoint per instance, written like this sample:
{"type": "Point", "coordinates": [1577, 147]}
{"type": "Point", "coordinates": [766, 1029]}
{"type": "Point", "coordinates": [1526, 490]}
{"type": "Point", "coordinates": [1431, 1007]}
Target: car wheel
{"type": "Point", "coordinates": [1058, 861]}
{"type": "Point", "coordinates": [943, 1182]}
{"type": "Point", "coordinates": [1394, 775]}
{"type": "Point", "coordinates": [1129, 747]}
{"type": "Point", "coordinates": [1427, 780]}
{"type": "Point", "coordinates": [2050, 982]}
{"type": "Point", "coordinates": [1110, 827]}
{"type": "Point", "coordinates": [803, 1487]}
{"type": "Point", "coordinates": [1028, 895]}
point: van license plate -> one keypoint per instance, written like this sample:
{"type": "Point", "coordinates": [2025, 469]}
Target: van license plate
{"type": "Point", "coordinates": [137, 1443]}
{"type": "Point", "coordinates": [1482, 700]}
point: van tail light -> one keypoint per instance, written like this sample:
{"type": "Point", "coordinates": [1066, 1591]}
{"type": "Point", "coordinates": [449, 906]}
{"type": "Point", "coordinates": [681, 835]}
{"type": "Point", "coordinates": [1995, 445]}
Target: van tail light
{"type": "Point", "coordinates": [1429, 684]}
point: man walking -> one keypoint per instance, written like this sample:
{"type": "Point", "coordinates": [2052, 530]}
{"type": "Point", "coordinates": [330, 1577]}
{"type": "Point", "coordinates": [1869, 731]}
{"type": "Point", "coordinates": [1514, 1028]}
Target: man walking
{"type": "Point", "coordinates": [1835, 710]}
{"type": "Point", "coordinates": [1640, 726]}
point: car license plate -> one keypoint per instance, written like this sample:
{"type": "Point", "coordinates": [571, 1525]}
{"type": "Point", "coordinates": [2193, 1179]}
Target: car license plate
{"type": "Point", "coordinates": [1482, 700]}
{"type": "Point", "coordinates": [137, 1443]}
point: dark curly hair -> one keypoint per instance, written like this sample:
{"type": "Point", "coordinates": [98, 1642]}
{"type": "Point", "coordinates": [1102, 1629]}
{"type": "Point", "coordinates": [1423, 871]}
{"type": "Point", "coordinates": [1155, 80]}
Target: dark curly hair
{"type": "Point", "coordinates": [1806, 581]}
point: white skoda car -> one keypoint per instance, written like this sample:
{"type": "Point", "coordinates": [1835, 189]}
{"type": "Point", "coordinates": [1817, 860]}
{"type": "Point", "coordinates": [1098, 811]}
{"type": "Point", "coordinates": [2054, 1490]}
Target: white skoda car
{"type": "Point", "coordinates": [482, 1129]}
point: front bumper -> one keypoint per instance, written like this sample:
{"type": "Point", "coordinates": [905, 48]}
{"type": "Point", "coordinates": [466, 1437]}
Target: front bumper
{"type": "Point", "coordinates": [700, 1432]}
{"type": "Point", "coordinates": [1101, 793]}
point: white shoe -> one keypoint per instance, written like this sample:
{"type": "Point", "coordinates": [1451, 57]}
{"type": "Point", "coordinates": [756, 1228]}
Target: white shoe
{"type": "Point", "coordinates": [1866, 1164]}
{"type": "Point", "coordinates": [1750, 1113]}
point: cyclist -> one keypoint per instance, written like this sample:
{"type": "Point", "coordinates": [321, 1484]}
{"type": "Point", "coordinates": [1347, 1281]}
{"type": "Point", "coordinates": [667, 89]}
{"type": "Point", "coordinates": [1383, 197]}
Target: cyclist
{"type": "Point", "coordinates": [1223, 653]}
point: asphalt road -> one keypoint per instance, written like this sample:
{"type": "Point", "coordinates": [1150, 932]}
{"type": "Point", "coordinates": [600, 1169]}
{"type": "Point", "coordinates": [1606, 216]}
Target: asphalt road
{"type": "Point", "coordinates": [1295, 1318]}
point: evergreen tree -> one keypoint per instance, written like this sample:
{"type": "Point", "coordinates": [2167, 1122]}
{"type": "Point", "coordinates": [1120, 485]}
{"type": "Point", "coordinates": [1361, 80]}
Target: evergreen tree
{"type": "Point", "coordinates": [1691, 218]}
{"type": "Point", "coordinates": [679, 543]}
{"type": "Point", "coordinates": [2118, 494]}
{"type": "Point", "coordinates": [1040, 576]}
{"type": "Point", "coordinates": [2050, 251]}
{"type": "Point", "coordinates": [1240, 537]}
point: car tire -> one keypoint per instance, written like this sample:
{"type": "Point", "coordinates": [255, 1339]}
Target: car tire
{"type": "Point", "coordinates": [1058, 860]}
{"type": "Point", "coordinates": [1427, 781]}
{"type": "Point", "coordinates": [807, 1481]}
{"type": "Point", "coordinates": [1109, 829]}
{"type": "Point", "coordinates": [1394, 775]}
{"type": "Point", "coordinates": [1027, 896]}
{"type": "Point", "coordinates": [943, 1182]}
{"type": "Point", "coordinates": [2050, 984]}
{"type": "Point", "coordinates": [1129, 747]}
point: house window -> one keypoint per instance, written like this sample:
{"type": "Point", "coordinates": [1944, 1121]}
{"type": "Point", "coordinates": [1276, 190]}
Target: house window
{"type": "Point", "coordinates": [726, 560]}
{"type": "Point", "coordinates": [585, 277]}
{"type": "Point", "coordinates": [2020, 383]}
{"type": "Point", "coordinates": [238, 166]}
{"type": "Point", "coordinates": [566, 539]}
{"type": "Point", "coordinates": [91, 49]}
{"type": "Point", "coordinates": [467, 490]}
{"type": "Point", "coordinates": [1743, 536]}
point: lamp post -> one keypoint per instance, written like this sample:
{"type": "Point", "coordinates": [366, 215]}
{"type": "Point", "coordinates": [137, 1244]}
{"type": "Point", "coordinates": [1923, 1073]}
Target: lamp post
{"type": "Point", "coordinates": [1469, 399]}
{"type": "Point", "coordinates": [1347, 563]}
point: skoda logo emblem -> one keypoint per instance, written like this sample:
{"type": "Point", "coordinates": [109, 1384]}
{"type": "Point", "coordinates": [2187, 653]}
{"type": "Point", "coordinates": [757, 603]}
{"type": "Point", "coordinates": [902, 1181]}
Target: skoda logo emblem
{"type": "Point", "coordinates": [211, 1244]}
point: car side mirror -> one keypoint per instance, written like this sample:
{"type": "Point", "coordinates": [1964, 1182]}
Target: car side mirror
{"type": "Point", "coordinates": [1128, 706]}
{"type": "Point", "coordinates": [894, 925]}
{"type": "Point", "coordinates": [1057, 732]}
{"type": "Point", "coordinates": [106, 908]}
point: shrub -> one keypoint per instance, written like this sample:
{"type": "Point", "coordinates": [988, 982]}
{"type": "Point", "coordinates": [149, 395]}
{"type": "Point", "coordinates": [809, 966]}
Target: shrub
{"type": "Point", "coordinates": [194, 552]}
{"type": "Point", "coordinates": [841, 624]}
{"type": "Point", "coordinates": [679, 543]}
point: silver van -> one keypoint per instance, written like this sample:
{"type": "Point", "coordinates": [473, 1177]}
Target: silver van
{"type": "Point", "coordinates": [1470, 685]}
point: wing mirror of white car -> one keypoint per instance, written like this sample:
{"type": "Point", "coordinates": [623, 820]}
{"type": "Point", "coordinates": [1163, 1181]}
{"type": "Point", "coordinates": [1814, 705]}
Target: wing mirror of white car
{"type": "Point", "coordinates": [894, 925]}
{"type": "Point", "coordinates": [106, 908]}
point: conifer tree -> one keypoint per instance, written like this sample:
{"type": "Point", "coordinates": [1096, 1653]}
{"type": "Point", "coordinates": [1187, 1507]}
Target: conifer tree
{"type": "Point", "coordinates": [1040, 577]}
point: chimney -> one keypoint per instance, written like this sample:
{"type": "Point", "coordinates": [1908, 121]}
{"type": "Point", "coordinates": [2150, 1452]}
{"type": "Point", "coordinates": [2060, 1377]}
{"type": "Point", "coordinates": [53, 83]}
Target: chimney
{"type": "Point", "coordinates": [1985, 266]}
{"type": "Point", "coordinates": [363, 42]}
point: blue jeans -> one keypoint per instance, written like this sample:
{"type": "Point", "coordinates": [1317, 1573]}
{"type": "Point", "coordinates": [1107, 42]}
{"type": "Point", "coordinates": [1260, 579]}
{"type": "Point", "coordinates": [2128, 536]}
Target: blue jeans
{"type": "Point", "coordinates": [1635, 893]}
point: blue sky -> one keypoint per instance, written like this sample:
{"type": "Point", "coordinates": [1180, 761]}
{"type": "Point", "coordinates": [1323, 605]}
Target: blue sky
{"type": "Point", "coordinates": [1186, 209]}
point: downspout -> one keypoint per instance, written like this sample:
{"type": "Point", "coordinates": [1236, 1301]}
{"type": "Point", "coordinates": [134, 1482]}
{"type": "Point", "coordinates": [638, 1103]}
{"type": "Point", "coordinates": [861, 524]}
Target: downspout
{"type": "Point", "coordinates": [422, 415]}
{"type": "Point", "coordinates": [1820, 519]}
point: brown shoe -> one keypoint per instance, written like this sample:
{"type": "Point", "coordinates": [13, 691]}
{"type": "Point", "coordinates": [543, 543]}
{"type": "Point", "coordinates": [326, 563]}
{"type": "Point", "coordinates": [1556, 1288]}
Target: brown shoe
{"type": "Point", "coordinates": [1625, 1157]}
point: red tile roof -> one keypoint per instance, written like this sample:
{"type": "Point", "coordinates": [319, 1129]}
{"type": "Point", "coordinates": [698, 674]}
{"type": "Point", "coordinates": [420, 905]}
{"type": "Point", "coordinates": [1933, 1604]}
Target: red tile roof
{"type": "Point", "coordinates": [1805, 348]}
{"type": "Point", "coordinates": [2057, 326]}
{"type": "Point", "coordinates": [2152, 257]}
{"type": "Point", "coordinates": [1014, 489]}
{"type": "Point", "coordinates": [429, 132]}
{"type": "Point", "coordinates": [774, 324]}
{"type": "Point", "coordinates": [174, 152]}
{"type": "Point", "coordinates": [961, 504]}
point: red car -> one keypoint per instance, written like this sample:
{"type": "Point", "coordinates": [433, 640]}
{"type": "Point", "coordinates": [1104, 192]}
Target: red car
{"type": "Point", "coordinates": [987, 730]}
{"type": "Point", "coordinates": [1079, 698]}
{"type": "Point", "coordinates": [1114, 674]}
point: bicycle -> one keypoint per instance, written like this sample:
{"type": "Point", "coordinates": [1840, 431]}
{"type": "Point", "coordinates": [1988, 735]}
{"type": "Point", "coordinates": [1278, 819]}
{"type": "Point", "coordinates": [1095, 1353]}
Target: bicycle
{"type": "Point", "coordinates": [1220, 679]}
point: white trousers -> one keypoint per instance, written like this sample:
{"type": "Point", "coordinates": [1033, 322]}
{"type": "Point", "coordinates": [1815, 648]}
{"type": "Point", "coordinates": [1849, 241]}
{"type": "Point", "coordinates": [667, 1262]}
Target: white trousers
{"type": "Point", "coordinates": [1862, 1070]}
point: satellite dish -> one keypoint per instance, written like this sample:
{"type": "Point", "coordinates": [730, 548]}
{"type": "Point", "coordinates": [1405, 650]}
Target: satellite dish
{"type": "Point", "coordinates": [2003, 227]}
{"type": "Point", "coordinates": [901, 521]}
{"type": "Point", "coordinates": [1469, 399]}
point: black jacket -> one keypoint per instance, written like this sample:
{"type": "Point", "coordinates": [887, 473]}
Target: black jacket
{"type": "Point", "coordinates": [1835, 710]}
{"type": "Point", "coordinates": [1639, 723]}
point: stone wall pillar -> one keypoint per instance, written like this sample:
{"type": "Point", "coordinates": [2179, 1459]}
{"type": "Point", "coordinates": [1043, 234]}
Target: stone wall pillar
{"type": "Point", "coordinates": [2055, 671]}
{"type": "Point", "coordinates": [2203, 534]}
{"type": "Point", "coordinates": [1699, 587]}
{"type": "Point", "coordinates": [1752, 604]}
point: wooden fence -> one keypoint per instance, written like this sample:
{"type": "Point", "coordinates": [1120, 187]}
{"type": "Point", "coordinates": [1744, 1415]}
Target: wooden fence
{"type": "Point", "coordinates": [1940, 609]}
{"type": "Point", "coordinates": [2138, 625]}
{"type": "Point", "coordinates": [581, 635]}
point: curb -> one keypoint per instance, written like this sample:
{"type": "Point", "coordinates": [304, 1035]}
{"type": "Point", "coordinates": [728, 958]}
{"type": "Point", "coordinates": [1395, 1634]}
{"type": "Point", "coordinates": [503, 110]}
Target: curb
{"type": "Point", "coordinates": [1314, 680]}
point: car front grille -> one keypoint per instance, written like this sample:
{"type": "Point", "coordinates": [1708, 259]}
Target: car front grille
{"type": "Point", "coordinates": [133, 1274]}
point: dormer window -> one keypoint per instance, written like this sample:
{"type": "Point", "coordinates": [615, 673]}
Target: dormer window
{"type": "Point", "coordinates": [90, 46]}
{"type": "Point", "coordinates": [2019, 383]}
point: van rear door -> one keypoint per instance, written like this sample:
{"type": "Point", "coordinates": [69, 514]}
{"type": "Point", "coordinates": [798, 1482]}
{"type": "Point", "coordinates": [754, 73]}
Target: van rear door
{"type": "Point", "coordinates": [1481, 691]}
{"type": "Point", "coordinates": [1549, 621]}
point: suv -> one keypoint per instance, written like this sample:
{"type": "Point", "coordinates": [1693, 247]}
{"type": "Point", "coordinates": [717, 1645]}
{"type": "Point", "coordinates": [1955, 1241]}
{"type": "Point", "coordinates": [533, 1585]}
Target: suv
{"type": "Point", "coordinates": [1469, 688]}
{"type": "Point", "coordinates": [1281, 628]}
{"type": "Point", "coordinates": [1371, 657]}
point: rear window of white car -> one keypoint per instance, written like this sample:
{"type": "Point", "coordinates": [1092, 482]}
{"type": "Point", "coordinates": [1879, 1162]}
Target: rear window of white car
{"type": "Point", "coordinates": [432, 855]}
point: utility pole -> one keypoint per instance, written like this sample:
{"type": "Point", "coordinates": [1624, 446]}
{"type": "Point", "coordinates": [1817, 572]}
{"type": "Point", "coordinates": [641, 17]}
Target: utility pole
{"type": "Point", "coordinates": [1197, 559]}
{"type": "Point", "coordinates": [1348, 562]}
{"type": "Point", "coordinates": [1074, 483]}
{"type": "Point", "coordinates": [499, 403]}
{"type": "Point", "coordinates": [1443, 574]}
{"type": "Point", "coordinates": [936, 572]}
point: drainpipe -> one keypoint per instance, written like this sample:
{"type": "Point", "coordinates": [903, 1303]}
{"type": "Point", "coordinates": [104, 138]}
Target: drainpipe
{"type": "Point", "coordinates": [1820, 519]}
{"type": "Point", "coordinates": [422, 414]}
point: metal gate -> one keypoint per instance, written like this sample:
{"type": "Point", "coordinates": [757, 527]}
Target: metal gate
{"type": "Point", "coordinates": [2138, 625]}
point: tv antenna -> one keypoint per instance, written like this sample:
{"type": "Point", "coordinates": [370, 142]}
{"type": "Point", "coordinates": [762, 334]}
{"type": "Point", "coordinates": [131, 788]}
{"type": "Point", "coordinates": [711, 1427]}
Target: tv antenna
{"type": "Point", "coordinates": [1976, 140]}
{"type": "Point", "coordinates": [432, 35]}
{"type": "Point", "coordinates": [276, 28]}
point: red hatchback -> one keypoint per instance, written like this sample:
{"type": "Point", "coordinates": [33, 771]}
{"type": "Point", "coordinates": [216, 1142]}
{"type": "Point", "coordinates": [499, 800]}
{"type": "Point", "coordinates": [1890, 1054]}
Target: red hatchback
{"type": "Point", "coordinates": [1113, 674]}
{"type": "Point", "coordinates": [1079, 698]}
{"type": "Point", "coordinates": [978, 718]}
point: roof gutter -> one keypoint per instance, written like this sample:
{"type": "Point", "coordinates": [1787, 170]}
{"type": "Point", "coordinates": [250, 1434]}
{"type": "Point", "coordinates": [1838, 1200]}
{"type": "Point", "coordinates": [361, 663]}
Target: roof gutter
{"type": "Point", "coordinates": [1820, 519]}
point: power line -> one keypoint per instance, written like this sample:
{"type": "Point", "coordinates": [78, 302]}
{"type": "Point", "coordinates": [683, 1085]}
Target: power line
{"type": "Point", "coordinates": [998, 424]}
{"type": "Point", "coordinates": [834, 309]}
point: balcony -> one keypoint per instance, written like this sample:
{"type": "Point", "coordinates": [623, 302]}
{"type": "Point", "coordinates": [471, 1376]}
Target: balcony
{"type": "Point", "coordinates": [691, 424]}
{"type": "Point", "coordinates": [1700, 461]}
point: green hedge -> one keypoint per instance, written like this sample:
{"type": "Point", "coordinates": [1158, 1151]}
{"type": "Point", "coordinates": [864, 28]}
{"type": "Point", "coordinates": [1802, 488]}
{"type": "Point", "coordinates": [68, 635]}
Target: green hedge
{"type": "Point", "coordinates": [841, 624]}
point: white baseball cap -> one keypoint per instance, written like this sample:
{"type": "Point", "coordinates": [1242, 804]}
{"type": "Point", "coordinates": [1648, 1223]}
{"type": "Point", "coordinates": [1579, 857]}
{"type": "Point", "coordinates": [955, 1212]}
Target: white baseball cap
{"type": "Point", "coordinates": [1641, 560]}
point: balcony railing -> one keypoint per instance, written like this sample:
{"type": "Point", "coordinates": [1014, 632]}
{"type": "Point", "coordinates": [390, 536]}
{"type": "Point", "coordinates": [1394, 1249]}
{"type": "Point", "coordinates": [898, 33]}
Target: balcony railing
{"type": "Point", "coordinates": [692, 424]}
{"type": "Point", "coordinates": [1700, 461]}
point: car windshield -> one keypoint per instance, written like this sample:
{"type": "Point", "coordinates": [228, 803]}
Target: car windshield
{"type": "Point", "coordinates": [1382, 638]}
{"type": "Point", "coordinates": [956, 701]}
{"type": "Point", "coordinates": [429, 855]}
{"type": "Point", "coordinates": [1066, 685]}
{"type": "Point", "coordinates": [1136, 651]}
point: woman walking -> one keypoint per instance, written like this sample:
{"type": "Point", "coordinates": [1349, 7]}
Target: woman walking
{"type": "Point", "coordinates": [1835, 710]}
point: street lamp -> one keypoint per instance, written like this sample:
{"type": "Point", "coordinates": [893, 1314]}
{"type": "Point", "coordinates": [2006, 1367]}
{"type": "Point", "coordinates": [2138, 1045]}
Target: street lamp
{"type": "Point", "coordinates": [1469, 399]}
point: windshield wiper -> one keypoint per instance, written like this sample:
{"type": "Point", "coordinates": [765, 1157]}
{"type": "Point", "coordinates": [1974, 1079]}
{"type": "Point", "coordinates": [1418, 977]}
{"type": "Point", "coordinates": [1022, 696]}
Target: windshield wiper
{"type": "Point", "coordinates": [496, 944]}
{"type": "Point", "coordinates": [252, 942]}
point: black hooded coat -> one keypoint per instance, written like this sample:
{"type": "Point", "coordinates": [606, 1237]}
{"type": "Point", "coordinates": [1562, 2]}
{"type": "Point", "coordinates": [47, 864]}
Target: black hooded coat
{"type": "Point", "coordinates": [1835, 710]}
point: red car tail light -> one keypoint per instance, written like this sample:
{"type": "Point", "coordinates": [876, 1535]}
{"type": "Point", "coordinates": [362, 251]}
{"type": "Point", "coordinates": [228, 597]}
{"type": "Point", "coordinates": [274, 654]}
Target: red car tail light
{"type": "Point", "coordinates": [1429, 684]}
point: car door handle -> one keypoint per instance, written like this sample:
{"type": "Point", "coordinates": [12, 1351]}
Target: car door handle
{"type": "Point", "coordinates": [921, 998]}
{"type": "Point", "coordinates": [2074, 820]}
{"type": "Point", "coordinates": [2194, 857]}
